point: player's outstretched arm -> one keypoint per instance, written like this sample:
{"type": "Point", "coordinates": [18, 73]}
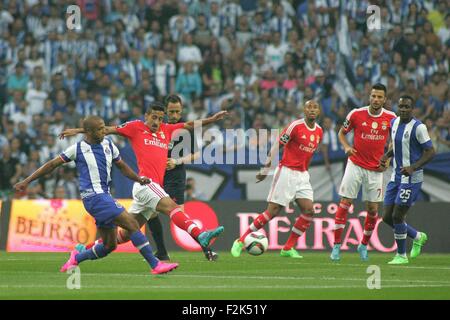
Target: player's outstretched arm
{"type": "Point", "coordinates": [45, 169]}
{"type": "Point", "coordinates": [203, 122]}
{"type": "Point", "coordinates": [129, 173]}
{"type": "Point", "coordinates": [349, 150]}
{"type": "Point", "coordinates": [74, 131]}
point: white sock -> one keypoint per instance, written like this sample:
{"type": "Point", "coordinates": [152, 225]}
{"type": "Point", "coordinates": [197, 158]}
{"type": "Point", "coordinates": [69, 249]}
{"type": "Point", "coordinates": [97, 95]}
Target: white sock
{"type": "Point", "coordinates": [417, 236]}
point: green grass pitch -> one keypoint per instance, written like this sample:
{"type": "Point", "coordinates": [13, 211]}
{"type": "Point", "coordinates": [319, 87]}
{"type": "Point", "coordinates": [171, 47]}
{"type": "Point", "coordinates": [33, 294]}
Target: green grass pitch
{"type": "Point", "coordinates": [126, 276]}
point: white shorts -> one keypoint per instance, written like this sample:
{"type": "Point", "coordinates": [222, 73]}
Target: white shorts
{"type": "Point", "coordinates": [288, 185]}
{"type": "Point", "coordinates": [146, 198]}
{"type": "Point", "coordinates": [354, 176]}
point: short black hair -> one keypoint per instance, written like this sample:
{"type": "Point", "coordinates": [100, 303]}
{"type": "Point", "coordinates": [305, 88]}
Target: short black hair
{"type": "Point", "coordinates": [379, 86]}
{"type": "Point", "coordinates": [407, 96]}
{"type": "Point", "coordinates": [155, 106]}
{"type": "Point", "coordinates": [172, 98]}
{"type": "Point", "coordinates": [90, 122]}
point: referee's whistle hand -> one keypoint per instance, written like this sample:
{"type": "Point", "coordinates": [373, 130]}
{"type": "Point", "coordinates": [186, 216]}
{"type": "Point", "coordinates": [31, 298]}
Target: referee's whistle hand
{"type": "Point", "coordinates": [171, 163]}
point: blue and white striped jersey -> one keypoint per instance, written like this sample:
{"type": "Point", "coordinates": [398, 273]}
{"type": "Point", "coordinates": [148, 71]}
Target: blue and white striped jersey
{"type": "Point", "coordinates": [409, 141]}
{"type": "Point", "coordinates": [93, 162]}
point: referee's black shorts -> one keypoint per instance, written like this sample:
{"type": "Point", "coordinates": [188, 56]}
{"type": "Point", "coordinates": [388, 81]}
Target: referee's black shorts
{"type": "Point", "coordinates": [176, 189]}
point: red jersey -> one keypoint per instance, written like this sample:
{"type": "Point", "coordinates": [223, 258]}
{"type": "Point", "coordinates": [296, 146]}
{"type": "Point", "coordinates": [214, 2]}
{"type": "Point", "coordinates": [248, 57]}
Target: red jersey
{"type": "Point", "coordinates": [151, 149]}
{"type": "Point", "coordinates": [370, 135]}
{"type": "Point", "coordinates": [300, 142]}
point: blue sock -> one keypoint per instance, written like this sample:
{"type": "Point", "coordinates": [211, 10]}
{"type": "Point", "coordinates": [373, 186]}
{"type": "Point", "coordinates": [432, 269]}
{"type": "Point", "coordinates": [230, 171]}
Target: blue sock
{"type": "Point", "coordinates": [412, 233]}
{"type": "Point", "coordinates": [96, 252]}
{"type": "Point", "coordinates": [400, 234]}
{"type": "Point", "coordinates": [141, 242]}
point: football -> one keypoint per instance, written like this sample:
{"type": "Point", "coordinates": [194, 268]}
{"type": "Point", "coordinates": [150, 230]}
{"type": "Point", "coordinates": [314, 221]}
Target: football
{"type": "Point", "coordinates": [256, 243]}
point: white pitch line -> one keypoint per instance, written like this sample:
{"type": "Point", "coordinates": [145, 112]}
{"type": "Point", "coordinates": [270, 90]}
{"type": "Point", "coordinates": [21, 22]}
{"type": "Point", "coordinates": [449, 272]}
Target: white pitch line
{"type": "Point", "coordinates": [196, 287]}
{"type": "Point", "coordinates": [233, 277]}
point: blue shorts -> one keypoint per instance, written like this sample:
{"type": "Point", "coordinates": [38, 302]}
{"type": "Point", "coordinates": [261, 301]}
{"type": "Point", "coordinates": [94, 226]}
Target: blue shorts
{"type": "Point", "coordinates": [104, 209]}
{"type": "Point", "coordinates": [402, 194]}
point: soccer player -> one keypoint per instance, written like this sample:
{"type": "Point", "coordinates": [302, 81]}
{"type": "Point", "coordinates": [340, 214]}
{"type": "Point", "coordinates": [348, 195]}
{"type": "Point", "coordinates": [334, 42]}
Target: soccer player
{"type": "Point", "coordinates": [291, 179]}
{"type": "Point", "coordinates": [94, 157]}
{"type": "Point", "coordinates": [371, 126]}
{"type": "Point", "coordinates": [150, 141]}
{"type": "Point", "coordinates": [175, 178]}
{"type": "Point", "coordinates": [411, 149]}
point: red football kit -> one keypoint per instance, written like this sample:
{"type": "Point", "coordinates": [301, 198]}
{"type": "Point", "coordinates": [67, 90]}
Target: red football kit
{"type": "Point", "coordinates": [151, 149]}
{"type": "Point", "coordinates": [370, 135]}
{"type": "Point", "coordinates": [303, 142]}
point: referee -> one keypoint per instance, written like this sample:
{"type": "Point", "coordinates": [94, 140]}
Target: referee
{"type": "Point", "coordinates": [175, 179]}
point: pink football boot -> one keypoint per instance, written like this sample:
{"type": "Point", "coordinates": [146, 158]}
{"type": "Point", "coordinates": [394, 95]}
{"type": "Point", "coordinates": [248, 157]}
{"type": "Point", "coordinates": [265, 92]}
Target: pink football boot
{"type": "Point", "coordinates": [71, 263]}
{"type": "Point", "coordinates": [163, 267]}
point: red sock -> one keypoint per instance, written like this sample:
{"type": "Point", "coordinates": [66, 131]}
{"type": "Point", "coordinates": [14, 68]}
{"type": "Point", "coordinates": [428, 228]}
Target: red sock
{"type": "Point", "coordinates": [90, 245]}
{"type": "Point", "coordinates": [369, 225]}
{"type": "Point", "coordinates": [182, 221]}
{"type": "Point", "coordinates": [339, 221]}
{"type": "Point", "coordinates": [298, 229]}
{"type": "Point", "coordinates": [257, 224]}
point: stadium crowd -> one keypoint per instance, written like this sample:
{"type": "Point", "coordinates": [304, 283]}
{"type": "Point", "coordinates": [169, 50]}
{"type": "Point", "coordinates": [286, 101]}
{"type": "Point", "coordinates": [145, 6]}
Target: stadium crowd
{"type": "Point", "coordinates": [260, 60]}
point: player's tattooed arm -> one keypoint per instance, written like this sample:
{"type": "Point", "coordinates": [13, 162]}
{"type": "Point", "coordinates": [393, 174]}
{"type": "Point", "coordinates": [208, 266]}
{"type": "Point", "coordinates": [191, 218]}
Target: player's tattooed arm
{"type": "Point", "coordinates": [45, 169]}
{"type": "Point", "coordinates": [74, 131]}
{"type": "Point", "coordinates": [203, 122]}
{"type": "Point", "coordinates": [426, 157]}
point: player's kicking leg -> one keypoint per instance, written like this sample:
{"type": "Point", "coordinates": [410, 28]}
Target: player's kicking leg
{"type": "Point", "coordinates": [109, 244]}
{"type": "Point", "coordinates": [301, 225]}
{"type": "Point", "coordinates": [273, 209]}
{"type": "Point", "coordinates": [181, 220]}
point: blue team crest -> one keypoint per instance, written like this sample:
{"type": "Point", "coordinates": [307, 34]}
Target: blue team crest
{"type": "Point", "coordinates": [107, 151]}
{"type": "Point", "coordinates": [406, 136]}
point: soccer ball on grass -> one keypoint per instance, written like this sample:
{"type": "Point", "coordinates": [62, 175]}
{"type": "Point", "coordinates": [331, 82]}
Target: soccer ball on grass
{"type": "Point", "coordinates": [256, 243]}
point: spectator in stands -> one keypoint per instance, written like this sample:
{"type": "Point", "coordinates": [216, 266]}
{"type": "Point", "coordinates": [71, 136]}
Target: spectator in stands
{"type": "Point", "coordinates": [140, 47]}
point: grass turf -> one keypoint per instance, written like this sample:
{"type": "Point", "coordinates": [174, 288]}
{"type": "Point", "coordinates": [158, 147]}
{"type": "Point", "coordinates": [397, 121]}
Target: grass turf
{"type": "Point", "coordinates": [126, 276]}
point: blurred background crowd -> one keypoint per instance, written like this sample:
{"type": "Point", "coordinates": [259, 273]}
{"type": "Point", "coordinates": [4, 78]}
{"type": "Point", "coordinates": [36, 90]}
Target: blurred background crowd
{"type": "Point", "coordinates": [259, 59]}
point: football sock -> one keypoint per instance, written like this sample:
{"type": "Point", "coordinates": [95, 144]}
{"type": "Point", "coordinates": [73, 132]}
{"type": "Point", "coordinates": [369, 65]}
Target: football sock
{"type": "Point", "coordinates": [400, 234]}
{"type": "Point", "coordinates": [257, 224]}
{"type": "Point", "coordinates": [90, 245]}
{"type": "Point", "coordinates": [369, 226]}
{"type": "Point", "coordinates": [155, 227]}
{"type": "Point", "coordinates": [182, 221]}
{"type": "Point", "coordinates": [298, 229]}
{"type": "Point", "coordinates": [96, 252]}
{"type": "Point", "coordinates": [339, 221]}
{"type": "Point", "coordinates": [141, 243]}
{"type": "Point", "coordinates": [120, 240]}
